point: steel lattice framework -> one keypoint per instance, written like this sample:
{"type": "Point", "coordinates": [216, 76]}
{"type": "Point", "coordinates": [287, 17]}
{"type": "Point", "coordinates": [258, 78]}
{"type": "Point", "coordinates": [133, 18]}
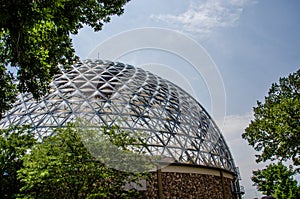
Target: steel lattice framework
{"type": "Point", "coordinates": [108, 93]}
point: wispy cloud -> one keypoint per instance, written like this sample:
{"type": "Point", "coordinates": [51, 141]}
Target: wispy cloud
{"type": "Point", "coordinates": [204, 16]}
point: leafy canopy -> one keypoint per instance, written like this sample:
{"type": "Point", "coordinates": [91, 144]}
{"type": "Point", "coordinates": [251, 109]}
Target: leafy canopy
{"type": "Point", "coordinates": [15, 142]}
{"type": "Point", "coordinates": [276, 180]}
{"type": "Point", "coordinates": [62, 166]}
{"type": "Point", "coordinates": [275, 130]}
{"type": "Point", "coordinates": [35, 39]}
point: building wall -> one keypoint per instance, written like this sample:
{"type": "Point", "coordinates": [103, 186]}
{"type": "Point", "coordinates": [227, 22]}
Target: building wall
{"type": "Point", "coordinates": [184, 185]}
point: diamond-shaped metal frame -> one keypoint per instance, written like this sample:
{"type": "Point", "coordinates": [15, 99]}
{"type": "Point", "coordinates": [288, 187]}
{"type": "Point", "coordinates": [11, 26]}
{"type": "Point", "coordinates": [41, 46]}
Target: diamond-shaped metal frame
{"type": "Point", "coordinates": [175, 125]}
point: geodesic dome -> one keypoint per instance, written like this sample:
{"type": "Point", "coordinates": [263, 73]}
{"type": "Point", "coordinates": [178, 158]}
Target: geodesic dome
{"type": "Point", "coordinates": [174, 124]}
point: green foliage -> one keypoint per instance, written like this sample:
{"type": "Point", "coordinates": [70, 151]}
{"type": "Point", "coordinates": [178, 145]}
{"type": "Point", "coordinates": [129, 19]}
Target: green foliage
{"type": "Point", "coordinates": [276, 125]}
{"type": "Point", "coordinates": [275, 133]}
{"type": "Point", "coordinates": [15, 142]}
{"type": "Point", "coordinates": [35, 39]}
{"type": "Point", "coordinates": [63, 166]}
{"type": "Point", "coordinates": [276, 180]}
{"type": "Point", "coordinates": [115, 151]}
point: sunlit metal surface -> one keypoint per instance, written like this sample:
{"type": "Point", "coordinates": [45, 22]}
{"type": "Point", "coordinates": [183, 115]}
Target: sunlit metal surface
{"type": "Point", "coordinates": [174, 124]}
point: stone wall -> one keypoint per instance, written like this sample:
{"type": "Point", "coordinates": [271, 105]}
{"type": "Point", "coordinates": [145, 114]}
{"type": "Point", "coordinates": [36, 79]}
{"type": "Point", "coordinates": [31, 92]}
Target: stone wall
{"type": "Point", "coordinates": [188, 186]}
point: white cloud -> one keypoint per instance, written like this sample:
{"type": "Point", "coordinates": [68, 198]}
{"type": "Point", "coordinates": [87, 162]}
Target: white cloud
{"type": "Point", "coordinates": [204, 17]}
{"type": "Point", "coordinates": [234, 125]}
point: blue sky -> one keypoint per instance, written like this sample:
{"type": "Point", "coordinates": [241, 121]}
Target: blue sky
{"type": "Point", "coordinates": [251, 44]}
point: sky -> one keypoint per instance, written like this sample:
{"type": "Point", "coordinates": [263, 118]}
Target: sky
{"type": "Point", "coordinates": [225, 53]}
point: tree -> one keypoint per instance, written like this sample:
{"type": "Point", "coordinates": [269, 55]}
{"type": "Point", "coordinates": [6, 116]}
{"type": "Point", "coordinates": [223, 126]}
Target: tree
{"type": "Point", "coordinates": [35, 39]}
{"type": "Point", "coordinates": [14, 143]}
{"type": "Point", "coordinates": [63, 166]}
{"type": "Point", "coordinates": [276, 180]}
{"type": "Point", "coordinates": [276, 127]}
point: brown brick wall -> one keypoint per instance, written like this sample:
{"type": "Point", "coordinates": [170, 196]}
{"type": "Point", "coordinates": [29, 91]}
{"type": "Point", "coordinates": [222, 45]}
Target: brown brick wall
{"type": "Point", "coordinates": [188, 186]}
